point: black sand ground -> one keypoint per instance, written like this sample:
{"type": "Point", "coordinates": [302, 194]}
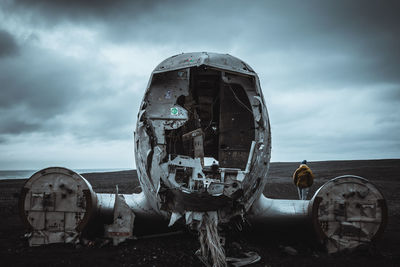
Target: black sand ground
{"type": "Point", "coordinates": [178, 250]}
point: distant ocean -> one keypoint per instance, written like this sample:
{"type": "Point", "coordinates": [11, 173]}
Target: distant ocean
{"type": "Point", "coordinates": [21, 174]}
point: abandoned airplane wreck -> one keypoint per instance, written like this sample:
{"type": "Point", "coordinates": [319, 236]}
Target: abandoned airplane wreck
{"type": "Point", "coordinates": [202, 149]}
{"type": "Point", "coordinates": [203, 113]}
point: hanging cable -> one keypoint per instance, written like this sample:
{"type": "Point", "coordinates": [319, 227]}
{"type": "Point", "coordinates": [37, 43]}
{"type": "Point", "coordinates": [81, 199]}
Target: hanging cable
{"type": "Point", "coordinates": [240, 102]}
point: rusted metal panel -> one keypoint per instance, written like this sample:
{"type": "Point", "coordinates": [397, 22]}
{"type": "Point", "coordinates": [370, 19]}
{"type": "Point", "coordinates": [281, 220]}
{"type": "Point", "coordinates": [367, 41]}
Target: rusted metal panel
{"type": "Point", "coordinates": [123, 218]}
{"type": "Point", "coordinates": [36, 219]}
{"type": "Point", "coordinates": [55, 205]}
{"type": "Point", "coordinates": [348, 211]}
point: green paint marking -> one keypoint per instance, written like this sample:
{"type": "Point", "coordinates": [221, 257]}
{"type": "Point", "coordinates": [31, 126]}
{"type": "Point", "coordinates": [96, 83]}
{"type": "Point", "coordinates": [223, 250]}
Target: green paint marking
{"type": "Point", "coordinates": [174, 111]}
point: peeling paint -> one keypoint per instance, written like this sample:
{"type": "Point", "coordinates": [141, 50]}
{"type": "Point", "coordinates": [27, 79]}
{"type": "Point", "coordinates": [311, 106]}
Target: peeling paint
{"type": "Point", "coordinates": [202, 150]}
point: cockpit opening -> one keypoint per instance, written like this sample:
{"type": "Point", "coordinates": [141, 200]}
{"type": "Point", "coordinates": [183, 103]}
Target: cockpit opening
{"type": "Point", "coordinates": [220, 124]}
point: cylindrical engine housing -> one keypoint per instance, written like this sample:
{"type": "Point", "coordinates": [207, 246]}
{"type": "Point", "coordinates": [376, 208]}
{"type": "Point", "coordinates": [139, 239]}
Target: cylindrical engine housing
{"type": "Point", "coordinates": [348, 211]}
{"type": "Point", "coordinates": [56, 204]}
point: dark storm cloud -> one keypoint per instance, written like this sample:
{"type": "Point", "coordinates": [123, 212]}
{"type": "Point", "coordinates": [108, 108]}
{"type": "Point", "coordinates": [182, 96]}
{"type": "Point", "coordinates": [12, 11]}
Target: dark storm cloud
{"type": "Point", "coordinates": [43, 91]}
{"type": "Point", "coordinates": [8, 45]}
{"type": "Point", "coordinates": [324, 43]}
{"type": "Point", "coordinates": [37, 86]}
{"type": "Point", "coordinates": [361, 39]}
{"type": "Point", "coordinates": [40, 81]}
{"type": "Point", "coordinates": [14, 126]}
{"type": "Point", "coordinates": [336, 42]}
{"type": "Point", "coordinates": [371, 29]}
{"type": "Point", "coordinates": [83, 10]}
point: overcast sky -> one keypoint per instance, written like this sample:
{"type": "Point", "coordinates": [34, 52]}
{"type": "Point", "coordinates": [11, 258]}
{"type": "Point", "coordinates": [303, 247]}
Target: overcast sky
{"type": "Point", "coordinates": [73, 73]}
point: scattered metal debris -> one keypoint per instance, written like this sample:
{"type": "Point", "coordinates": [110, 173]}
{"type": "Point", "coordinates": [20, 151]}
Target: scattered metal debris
{"type": "Point", "coordinates": [122, 226]}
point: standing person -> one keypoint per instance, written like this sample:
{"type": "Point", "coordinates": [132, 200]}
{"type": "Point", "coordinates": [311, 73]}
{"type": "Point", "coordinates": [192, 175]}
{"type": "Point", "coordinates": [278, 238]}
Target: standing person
{"type": "Point", "coordinates": [303, 178]}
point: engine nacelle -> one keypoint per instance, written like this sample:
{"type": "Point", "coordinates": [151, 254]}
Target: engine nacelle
{"type": "Point", "coordinates": [56, 204]}
{"type": "Point", "coordinates": [348, 211]}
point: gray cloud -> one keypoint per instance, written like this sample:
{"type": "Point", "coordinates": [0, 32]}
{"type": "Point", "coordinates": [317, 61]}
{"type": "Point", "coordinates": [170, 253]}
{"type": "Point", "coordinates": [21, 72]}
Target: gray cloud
{"type": "Point", "coordinates": [368, 31]}
{"type": "Point", "coordinates": [53, 12]}
{"type": "Point", "coordinates": [341, 42]}
{"type": "Point", "coordinates": [14, 126]}
{"type": "Point", "coordinates": [43, 83]}
{"type": "Point", "coordinates": [8, 45]}
{"type": "Point", "coordinates": [41, 90]}
{"type": "Point", "coordinates": [341, 57]}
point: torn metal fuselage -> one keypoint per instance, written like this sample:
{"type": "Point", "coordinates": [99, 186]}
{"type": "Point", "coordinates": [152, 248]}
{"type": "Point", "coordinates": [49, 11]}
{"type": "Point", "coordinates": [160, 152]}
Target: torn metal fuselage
{"type": "Point", "coordinates": [202, 141]}
{"type": "Point", "coordinates": [202, 150]}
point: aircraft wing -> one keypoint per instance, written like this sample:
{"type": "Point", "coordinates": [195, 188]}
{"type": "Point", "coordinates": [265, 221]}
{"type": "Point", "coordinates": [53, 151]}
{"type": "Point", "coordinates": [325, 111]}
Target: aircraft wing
{"type": "Point", "coordinates": [345, 212]}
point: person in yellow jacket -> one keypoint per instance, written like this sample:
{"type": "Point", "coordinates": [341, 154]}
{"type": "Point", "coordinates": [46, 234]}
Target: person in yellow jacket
{"type": "Point", "coordinates": [303, 178]}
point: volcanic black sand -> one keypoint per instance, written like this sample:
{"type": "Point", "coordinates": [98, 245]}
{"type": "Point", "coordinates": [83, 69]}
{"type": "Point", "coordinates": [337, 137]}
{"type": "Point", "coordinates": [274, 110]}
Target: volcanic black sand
{"type": "Point", "coordinates": [178, 250]}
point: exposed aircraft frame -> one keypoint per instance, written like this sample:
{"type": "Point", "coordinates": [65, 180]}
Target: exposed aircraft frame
{"type": "Point", "coordinates": [202, 146]}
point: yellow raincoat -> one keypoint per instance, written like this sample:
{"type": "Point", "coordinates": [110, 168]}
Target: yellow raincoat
{"type": "Point", "coordinates": [303, 176]}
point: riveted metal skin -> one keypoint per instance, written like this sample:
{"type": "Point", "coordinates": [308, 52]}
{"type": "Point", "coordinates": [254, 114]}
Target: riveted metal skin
{"type": "Point", "coordinates": [56, 204]}
{"type": "Point", "coordinates": [182, 91]}
{"type": "Point", "coordinates": [195, 59]}
{"type": "Point", "coordinates": [348, 211]}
